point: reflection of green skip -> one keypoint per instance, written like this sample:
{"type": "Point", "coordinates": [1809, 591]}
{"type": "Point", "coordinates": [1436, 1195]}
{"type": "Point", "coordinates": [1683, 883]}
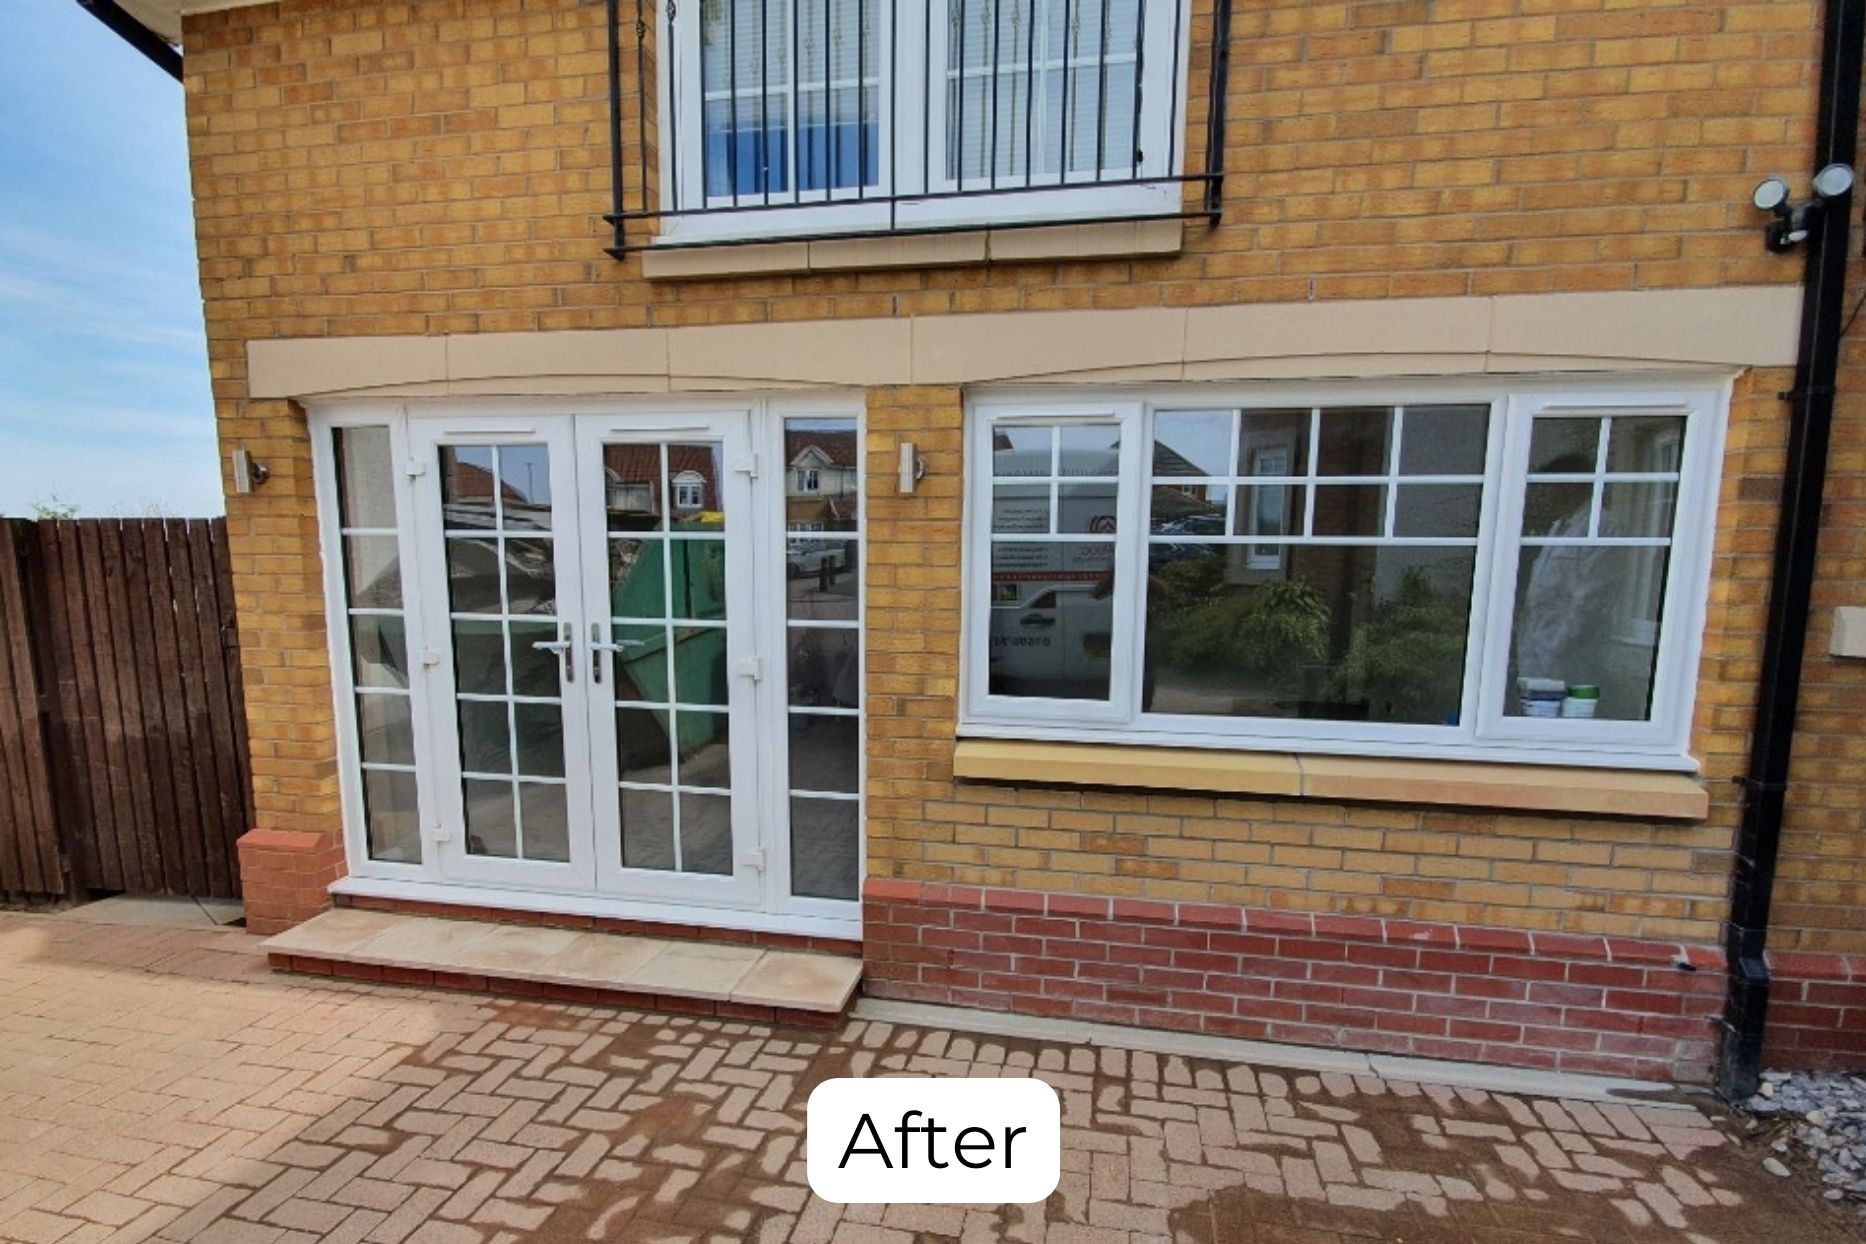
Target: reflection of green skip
{"type": "Point", "coordinates": [699, 582]}
{"type": "Point", "coordinates": [699, 653]}
{"type": "Point", "coordinates": [636, 593]}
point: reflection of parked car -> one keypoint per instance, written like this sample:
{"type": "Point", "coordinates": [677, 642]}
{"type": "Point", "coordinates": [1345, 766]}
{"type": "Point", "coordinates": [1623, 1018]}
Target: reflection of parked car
{"type": "Point", "coordinates": [807, 557]}
{"type": "Point", "coordinates": [1190, 525]}
{"type": "Point", "coordinates": [1196, 525]}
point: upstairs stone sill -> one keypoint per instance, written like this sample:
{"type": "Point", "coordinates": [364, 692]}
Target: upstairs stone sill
{"type": "Point", "coordinates": [1437, 783]}
{"type": "Point", "coordinates": [1069, 242]}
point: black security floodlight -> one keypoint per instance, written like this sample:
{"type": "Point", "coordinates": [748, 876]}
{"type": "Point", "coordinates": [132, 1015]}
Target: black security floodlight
{"type": "Point", "coordinates": [1793, 220]}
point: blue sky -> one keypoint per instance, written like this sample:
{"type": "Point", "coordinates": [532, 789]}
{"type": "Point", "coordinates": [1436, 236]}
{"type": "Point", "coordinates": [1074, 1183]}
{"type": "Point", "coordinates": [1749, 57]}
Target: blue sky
{"type": "Point", "coordinates": [104, 397]}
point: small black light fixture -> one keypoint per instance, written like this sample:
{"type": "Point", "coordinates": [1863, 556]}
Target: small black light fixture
{"type": "Point", "coordinates": [1793, 220]}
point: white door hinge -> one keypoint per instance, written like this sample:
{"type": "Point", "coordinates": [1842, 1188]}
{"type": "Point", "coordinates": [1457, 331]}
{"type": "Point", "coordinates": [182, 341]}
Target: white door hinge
{"type": "Point", "coordinates": [429, 658]}
{"type": "Point", "coordinates": [747, 465]}
{"type": "Point", "coordinates": [440, 833]}
{"type": "Point", "coordinates": [414, 468]}
{"type": "Point", "coordinates": [754, 860]}
{"type": "Point", "coordinates": [752, 668]}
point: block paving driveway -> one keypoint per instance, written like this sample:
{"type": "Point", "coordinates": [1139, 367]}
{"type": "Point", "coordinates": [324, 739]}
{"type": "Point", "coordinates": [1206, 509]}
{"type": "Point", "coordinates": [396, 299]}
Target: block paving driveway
{"type": "Point", "coordinates": [161, 1084]}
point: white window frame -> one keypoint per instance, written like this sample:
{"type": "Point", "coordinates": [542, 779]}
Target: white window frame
{"type": "Point", "coordinates": [1484, 731]}
{"type": "Point", "coordinates": [1130, 515]}
{"type": "Point", "coordinates": [904, 139]}
{"type": "Point", "coordinates": [1682, 613]}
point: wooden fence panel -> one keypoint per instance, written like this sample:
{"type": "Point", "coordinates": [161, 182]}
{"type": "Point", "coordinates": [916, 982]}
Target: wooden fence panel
{"type": "Point", "coordinates": [76, 726]}
{"type": "Point", "coordinates": [29, 854]}
{"type": "Point", "coordinates": [142, 750]}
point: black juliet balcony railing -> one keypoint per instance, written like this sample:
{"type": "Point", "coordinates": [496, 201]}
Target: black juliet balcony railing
{"type": "Point", "coordinates": [737, 121]}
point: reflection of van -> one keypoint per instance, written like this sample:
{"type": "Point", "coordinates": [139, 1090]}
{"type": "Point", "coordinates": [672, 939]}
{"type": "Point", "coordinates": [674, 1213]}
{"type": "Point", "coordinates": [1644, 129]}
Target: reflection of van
{"type": "Point", "coordinates": [1051, 639]}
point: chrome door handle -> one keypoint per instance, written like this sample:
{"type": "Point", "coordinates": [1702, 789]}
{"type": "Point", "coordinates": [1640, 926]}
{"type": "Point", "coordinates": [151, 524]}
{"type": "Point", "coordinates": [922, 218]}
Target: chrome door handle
{"type": "Point", "coordinates": [598, 646]}
{"type": "Point", "coordinates": [564, 648]}
{"type": "Point", "coordinates": [616, 648]}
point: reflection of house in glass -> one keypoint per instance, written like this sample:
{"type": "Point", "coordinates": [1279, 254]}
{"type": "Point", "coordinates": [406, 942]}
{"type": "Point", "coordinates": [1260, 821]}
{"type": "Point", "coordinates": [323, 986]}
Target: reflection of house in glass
{"type": "Point", "coordinates": [641, 485]}
{"type": "Point", "coordinates": [821, 486]}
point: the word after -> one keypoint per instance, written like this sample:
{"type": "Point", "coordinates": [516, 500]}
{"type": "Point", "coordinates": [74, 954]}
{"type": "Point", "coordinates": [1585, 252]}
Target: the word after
{"type": "Point", "coordinates": [927, 1141]}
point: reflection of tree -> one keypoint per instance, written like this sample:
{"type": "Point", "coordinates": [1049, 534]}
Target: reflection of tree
{"type": "Point", "coordinates": [1407, 660]}
{"type": "Point", "coordinates": [1273, 629]}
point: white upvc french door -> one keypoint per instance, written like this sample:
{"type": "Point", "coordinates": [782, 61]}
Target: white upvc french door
{"type": "Point", "coordinates": [597, 659]}
{"type": "Point", "coordinates": [496, 517]}
{"type": "Point", "coordinates": [669, 588]}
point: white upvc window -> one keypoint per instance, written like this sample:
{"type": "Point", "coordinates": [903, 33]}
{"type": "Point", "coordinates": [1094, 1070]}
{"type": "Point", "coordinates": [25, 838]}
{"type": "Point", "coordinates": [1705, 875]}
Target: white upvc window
{"type": "Point", "coordinates": [1465, 569]}
{"type": "Point", "coordinates": [808, 117]}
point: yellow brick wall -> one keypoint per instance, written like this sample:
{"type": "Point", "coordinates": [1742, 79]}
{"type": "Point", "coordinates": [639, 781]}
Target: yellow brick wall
{"type": "Point", "coordinates": [441, 167]}
{"type": "Point", "coordinates": [1820, 891]}
{"type": "Point", "coordinates": [278, 590]}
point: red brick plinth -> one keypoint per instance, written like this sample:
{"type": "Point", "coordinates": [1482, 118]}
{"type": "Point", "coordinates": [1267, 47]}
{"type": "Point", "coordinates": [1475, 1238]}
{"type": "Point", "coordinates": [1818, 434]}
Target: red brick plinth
{"type": "Point", "coordinates": [1817, 1012]}
{"type": "Point", "coordinates": [1611, 1006]}
{"type": "Point", "coordinates": [285, 876]}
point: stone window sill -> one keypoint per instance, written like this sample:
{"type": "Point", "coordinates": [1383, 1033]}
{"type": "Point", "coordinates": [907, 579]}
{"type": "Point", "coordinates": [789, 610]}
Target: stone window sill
{"type": "Point", "coordinates": [1439, 783]}
{"type": "Point", "coordinates": [1127, 239]}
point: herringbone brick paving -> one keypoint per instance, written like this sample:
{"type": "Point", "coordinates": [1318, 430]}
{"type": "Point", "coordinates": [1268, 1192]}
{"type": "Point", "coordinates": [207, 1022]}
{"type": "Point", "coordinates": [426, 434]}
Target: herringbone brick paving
{"type": "Point", "coordinates": [163, 1085]}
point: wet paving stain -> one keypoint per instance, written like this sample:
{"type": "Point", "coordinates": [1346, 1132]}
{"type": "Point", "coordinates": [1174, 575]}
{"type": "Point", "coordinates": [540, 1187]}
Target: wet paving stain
{"type": "Point", "coordinates": [675, 1129]}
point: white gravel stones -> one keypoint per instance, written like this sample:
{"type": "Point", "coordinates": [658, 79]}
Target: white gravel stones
{"type": "Point", "coordinates": [1822, 1116]}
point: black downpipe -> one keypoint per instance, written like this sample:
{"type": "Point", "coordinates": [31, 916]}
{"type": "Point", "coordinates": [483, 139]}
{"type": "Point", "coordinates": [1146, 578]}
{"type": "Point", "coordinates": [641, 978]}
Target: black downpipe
{"type": "Point", "coordinates": [1811, 416]}
{"type": "Point", "coordinates": [613, 17]}
{"type": "Point", "coordinates": [137, 35]}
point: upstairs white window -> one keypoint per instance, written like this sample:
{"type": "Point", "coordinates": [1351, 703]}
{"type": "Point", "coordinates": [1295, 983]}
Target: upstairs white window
{"type": "Point", "coordinates": [1040, 91]}
{"type": "Point", "coordinates": [1445, 570]}
{"type": "Point", "coordinates": [789, 94]}
{"type": "Point", "coordinates": [899, 115]}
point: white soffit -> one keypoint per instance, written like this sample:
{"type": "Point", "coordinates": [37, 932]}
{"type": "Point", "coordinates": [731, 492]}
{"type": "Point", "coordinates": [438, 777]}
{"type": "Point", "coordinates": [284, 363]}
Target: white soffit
{"type": "Point", "coordinates": [163, 17]}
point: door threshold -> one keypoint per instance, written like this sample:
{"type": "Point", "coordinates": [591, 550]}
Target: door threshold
{"type": "Point", "coordinates": [846, 928]}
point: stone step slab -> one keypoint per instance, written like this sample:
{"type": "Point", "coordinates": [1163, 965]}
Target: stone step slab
{"type": "Point", "coordinates": [602, 964]}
